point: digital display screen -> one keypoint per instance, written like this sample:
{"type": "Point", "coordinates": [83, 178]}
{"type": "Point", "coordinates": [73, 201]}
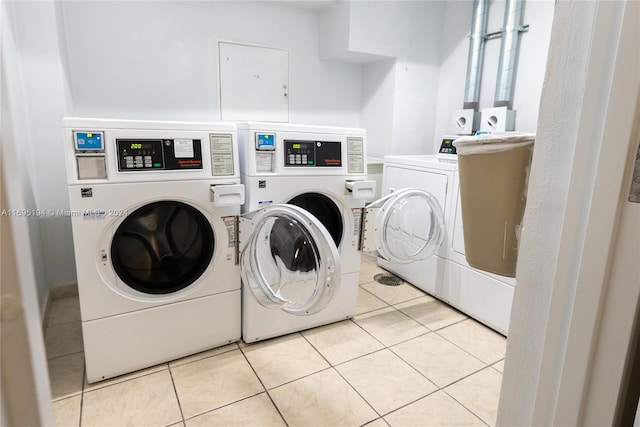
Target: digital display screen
{"type": "Point", "coordinates": [89, 141]}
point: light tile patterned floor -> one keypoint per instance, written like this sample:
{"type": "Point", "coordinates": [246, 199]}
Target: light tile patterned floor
{"type": "Point", "coordinates": [406, 359]}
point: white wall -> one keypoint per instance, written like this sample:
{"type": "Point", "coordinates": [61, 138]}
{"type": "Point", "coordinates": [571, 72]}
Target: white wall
{"type": "Point", "coordinates": [378, 87]}
{"type": "Point", "coordinates": [159, 59]}
{"type": "Point", "coordinates": [534, 44]}
{"type": "Point", "coordinates": [417, 68]}
{"type": "Point", "coordinates": [399, 44]}
{"type": "Point", "coordinates": [20, 163]}
{"type": "Point", "coordinates": [46, 100]}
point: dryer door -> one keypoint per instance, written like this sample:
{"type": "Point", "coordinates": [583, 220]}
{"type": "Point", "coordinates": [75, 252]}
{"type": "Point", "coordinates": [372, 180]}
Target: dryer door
{"type": "Point", "coordinates": [404, 226]}
{"type": "Point", "coordinates": [288, 259]}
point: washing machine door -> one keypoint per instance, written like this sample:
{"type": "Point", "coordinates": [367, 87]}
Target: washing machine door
{"type": "Point", "coordinates": [162, 247]}
{"type": "Point", "coordinates": [288, 259]}
{"type": "Point", "coordinates": [404, 226]}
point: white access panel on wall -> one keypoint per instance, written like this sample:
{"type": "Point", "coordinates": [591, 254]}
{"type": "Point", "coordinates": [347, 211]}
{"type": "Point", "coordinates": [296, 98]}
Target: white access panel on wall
{"type": "Point", "coordinates": [254, 83]}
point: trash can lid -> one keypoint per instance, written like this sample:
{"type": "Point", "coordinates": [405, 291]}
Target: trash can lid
{"type": "Point", "coordinates": [487, 143]}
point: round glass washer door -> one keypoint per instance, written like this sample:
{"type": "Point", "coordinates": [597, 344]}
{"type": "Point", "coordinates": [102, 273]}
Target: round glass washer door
{"type": "Point", "coordinates": [162, 247]}
{"type": "Point", "coordinates": [409, 225]}
{"type": "Point", "coordinates": [289, 260]}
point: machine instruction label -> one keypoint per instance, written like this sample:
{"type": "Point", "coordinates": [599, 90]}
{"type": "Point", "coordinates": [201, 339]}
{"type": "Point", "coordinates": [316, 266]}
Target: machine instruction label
{"type": "Point", "coordinates": [221, 154]}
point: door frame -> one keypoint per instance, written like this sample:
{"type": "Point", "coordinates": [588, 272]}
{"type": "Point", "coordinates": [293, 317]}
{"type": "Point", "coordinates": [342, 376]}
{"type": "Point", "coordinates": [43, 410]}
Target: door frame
{"type": "Point", "coordinates": [560, 369]}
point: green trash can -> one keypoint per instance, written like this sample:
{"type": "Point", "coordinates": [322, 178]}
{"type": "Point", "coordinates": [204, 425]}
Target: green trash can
{"type": "Point", "coordinates": [494, 172]}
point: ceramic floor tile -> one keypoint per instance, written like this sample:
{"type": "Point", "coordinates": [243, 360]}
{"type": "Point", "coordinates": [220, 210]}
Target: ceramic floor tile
{"type": "Point", "coordinates": [499, 366]}
{"type": "Point", "coordinates": [393, 294]}
{"type": "Point", "coordinates": [66, 375]}
{"type": "Point", "coordinates": [214, 382]}
{"type": "Point", "coordinates": [368, 259]}
{"type": "Point", "coordinates": [440, 361]}
{"type": "Point", "coordinates": [254, 411]}
{"type": "Point", "coordinates": [203, 355]}
{"type": "Point", "coordinates": [385, 381]}
{"type": "Point", "coordinates": [284, 359]}
{"type": "Point", "coordinates": [432, 313]}
{"type": "Point", "coordinates": [477, 339]}
{"type": "Point", "coordinates": [64, 310]}
{"type": "Point", "coordinates": [368, 302]}
{"type": "Point", "coordinates": [390, 326]}
{"type": "Point", "coordinates": [341, 341]}
{"type": "Point", "coordinates": [62, 340]}
{"type": "Point", "coordinates": [148, 400]}
{"type": "Point", "coordinates": [66, 412]}
{"type": "Point", "coordinates": [480, 393]}
{"type": "Point", "coordinates": [123, 378]}
{"type": "Point", "coordinates": [368, 271]}
{"type": "Point", "coordinates": [321, 399]}
{"type": "Point", "coordinates": [437, 409]}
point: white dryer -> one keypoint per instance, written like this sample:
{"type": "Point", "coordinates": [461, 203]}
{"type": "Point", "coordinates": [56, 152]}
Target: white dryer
{"type": "Point", "coordinates": [154, 208]}
{"type": "Point", "coordinates": [447, 275]}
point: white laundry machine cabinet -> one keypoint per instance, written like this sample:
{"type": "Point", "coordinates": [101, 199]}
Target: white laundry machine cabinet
{"type": "Point", "coordinates": [447, 275]}
{"type": "Point", "coordinates": [154, 209]}
{"type": "Point", "coordinates": [299, 236]}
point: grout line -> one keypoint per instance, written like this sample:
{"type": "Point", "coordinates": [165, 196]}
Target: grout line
{"type": "Point", "coordinates": [266, 391]}
{"type": "Point", "coordinates": [358, 393]}
{"type": "Point", "coordinates": [317, 350]}
{"type": "Point", "coordinates": [175, 391]}
{"type": "Point", "coordinates": [465, 350]}
{"type": "Point", "coordinates": [428, 331]}
{"type": "Point", "coordinates": [208, 411]}
{"type": "Point", "coordinates": [412, 402]}
{"type": "Point", "coordinates": [84, 380]}
{"type": "Point", "coordinates": [465, 407]}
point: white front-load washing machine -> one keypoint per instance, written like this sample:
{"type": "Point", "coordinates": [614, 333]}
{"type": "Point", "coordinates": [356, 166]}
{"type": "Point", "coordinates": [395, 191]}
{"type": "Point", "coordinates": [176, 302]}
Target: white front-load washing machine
{"type": "Point", "coordinates": [154, 210]}
{"type": "Point", "coordinates": [305, 190]}
{"type": "Point", "coordinates": [305, 225]}
{"type": "Point", "coordinates": [447, 275]}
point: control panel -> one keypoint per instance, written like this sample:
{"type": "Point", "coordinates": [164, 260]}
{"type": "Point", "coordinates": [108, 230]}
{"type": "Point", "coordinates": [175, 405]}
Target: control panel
{"type": "Point", "coordinates": [158, 154]}
{"type": "Point", "coordinates": [446, 146]}
{"type": "Point", "coordinates": [312, 153]}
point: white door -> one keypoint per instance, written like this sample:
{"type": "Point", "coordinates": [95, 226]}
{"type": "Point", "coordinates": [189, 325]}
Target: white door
{"type": "Point", "coordinates": [288, 259]}
{"type": "Point", "coordinates": [254, 83]}
{"type": "Point", "coordinates": [404, 226]}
